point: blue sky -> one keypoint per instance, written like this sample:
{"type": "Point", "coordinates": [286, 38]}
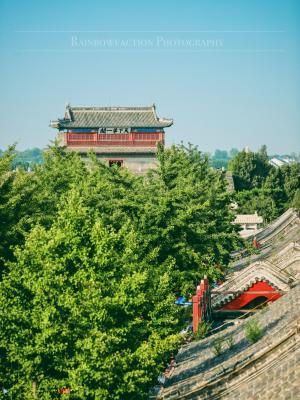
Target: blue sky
{"type": "Point", "coordinates": [226, 71]}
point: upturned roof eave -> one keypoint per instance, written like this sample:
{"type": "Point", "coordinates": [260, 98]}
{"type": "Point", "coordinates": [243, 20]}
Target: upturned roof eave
{"type": "Point", "coordinates": [70, 124]}
{"type": "Point", "coordinates": [111, 117]}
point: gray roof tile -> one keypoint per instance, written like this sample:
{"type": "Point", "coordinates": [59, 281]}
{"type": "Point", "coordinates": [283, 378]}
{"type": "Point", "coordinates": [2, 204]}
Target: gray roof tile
{"type": "Point", "coordinates": [200, 374]}
{"type": "Point", "coordinates": [112, 117]}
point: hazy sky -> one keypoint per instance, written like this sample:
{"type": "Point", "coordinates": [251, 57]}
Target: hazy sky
{"type": "Point", "coordinates": [226, 71]}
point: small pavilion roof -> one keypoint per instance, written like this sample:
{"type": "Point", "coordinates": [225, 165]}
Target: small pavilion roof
{"type": "Point", "coordinates": [248, 219]}
{"type": "Point", "coordinates": [112, 117]}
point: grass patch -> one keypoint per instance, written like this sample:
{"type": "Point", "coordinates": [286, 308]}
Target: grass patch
{"type": "Point", "coordinates": [253, 331]}
{"type": "Point", "coordinates": [230, 342]}
{"type": "Point", "coordinates": [217, 346]}
{"type": "Point", "coordinates": [203, 330]}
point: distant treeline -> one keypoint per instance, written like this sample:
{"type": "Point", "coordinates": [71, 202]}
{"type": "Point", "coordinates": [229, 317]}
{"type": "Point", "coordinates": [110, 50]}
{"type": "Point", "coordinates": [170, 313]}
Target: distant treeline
{"type": "Point", "coordinates": [27, 158]}
{"type": "Point", "coordinates": [219, 159]}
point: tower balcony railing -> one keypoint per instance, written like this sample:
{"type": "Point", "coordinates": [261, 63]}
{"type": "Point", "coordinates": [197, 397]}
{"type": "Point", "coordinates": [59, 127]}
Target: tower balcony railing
{"type": "Point", "coordinates": [132, 139]}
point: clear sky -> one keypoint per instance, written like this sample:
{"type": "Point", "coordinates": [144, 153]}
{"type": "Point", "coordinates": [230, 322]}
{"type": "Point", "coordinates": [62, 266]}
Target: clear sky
{"type": "Point", "coordinates": [226, 71]}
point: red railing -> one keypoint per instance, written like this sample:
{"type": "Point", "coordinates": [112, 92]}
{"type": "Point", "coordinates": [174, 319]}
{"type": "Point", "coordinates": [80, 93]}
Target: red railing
{"type": "Point", "coordinates": [114, 139]}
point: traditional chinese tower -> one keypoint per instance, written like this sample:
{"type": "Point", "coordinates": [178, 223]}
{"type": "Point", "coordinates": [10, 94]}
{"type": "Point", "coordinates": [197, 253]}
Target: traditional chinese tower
{"type": "Point", "coordinates": [118, 135]}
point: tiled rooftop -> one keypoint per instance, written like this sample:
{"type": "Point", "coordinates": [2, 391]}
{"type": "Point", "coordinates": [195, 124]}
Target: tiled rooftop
{"type": "Point", "coordinates": [112, 117]}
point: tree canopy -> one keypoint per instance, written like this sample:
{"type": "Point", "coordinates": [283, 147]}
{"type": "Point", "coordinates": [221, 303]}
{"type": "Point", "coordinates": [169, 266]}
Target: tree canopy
{"type": "Point", "coordinates": [263, 188]}
{"type": "Point", "coordinates": [92, 258]}
{"type": "Point", "coordinates": [249, 169]}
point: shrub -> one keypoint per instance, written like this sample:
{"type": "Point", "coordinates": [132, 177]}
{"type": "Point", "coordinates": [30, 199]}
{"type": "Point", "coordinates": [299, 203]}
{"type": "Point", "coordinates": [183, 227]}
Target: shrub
{"type": "Point", "coordinates": [230, 342]}
{"type": "Point", "coordinates": [253, 331]}
{"type": "Point", "coordinates": [203, 330]}
{"type": "Point", "coordinates": [217, 346]}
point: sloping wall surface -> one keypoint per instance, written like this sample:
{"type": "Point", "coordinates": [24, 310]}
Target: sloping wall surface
{"type": "Point", "coordinates": [267, 369]}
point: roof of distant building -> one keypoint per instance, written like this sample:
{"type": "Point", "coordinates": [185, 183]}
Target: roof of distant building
{"type": "Point", "coordinates": [112, 117]}
{"type": "Point", "coordinates": [248, 219]}
{"type": "Point", "coordinates": [281, 160]}
{"type": "Point", "coordinates": [276, 162]}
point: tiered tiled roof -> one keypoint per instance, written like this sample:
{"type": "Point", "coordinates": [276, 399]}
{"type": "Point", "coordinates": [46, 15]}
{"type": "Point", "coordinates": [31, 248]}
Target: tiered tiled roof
{"type": "Point", "coordinates": [112, 117]}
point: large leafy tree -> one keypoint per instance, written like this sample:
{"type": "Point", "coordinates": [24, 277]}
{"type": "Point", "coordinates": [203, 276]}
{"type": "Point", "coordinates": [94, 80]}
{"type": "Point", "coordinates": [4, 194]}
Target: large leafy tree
{"type": "Point", "coordinates": [83, 308]}
{"type": "Point", "coordinates": [181, 208]}
{"type": "Point", "coordinates": [96, 255]}
{"type": "Point", "coordinates": [186, 211]}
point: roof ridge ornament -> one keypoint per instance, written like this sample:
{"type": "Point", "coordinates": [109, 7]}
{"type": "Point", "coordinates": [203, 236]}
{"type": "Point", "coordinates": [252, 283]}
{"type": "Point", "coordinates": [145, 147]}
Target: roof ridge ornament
{"type": "Point", "coordinates": [68, 112]}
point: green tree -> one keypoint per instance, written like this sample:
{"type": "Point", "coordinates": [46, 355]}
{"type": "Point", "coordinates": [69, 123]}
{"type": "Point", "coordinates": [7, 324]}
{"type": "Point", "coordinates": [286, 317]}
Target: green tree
{"type": "Point", "coordinates": [221, 154]}
{"type": "Point", "coordinates": [263, 154]}
{"type": "Point", "coordinates": [250, 169]}
{"type": "Point", "coordinates": [95, 258]}
{"type": "Point", "coordinates": [181, 209]}
{"type": "Point", "coordinates": [28, 158]}
{"type": "Point", "coordinates": [291, 179]}
{"type": "Point", "coordinates": [82, 308]}
{"type": "Point", "coordinates": [186, 212]}
{"type": "Point", "coordinates": [233, 152]}
{"type": "Point", "coordinates": [31, 198]}
{"type": "Point", "coordinates": [262, 188]}
{"type": "Point", "coordinates": [258, 200]}
{"type": "Point", "coordinates": [7, 177]}
{"type": "Point", "coordinates": [220, 159]}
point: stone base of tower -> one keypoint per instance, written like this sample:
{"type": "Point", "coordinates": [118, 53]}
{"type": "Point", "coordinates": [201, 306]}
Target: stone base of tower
{"type": "Point", "coordinates": [137, 161]}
